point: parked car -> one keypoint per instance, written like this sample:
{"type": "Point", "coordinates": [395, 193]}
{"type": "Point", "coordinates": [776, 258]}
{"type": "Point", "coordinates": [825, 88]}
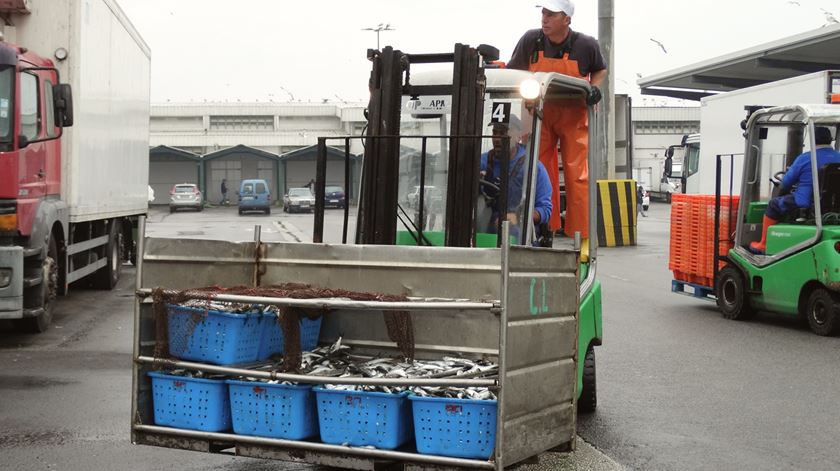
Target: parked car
{"type": "Point", "coordinates": [334, 197]}
{"type": "Point", "coordinates": [645, 197]}
{"type": "Point", "coordinates": [185, 195]}
{"type": "Point", "coordinates": [254, 195]}
{"type": "Point", "coordinates": [298, 199]}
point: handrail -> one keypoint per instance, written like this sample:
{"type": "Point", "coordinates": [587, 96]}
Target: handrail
{"type": "Point", "coordinates": [338, 303]}
{"type": "Point", "coordinates": [299, 378]}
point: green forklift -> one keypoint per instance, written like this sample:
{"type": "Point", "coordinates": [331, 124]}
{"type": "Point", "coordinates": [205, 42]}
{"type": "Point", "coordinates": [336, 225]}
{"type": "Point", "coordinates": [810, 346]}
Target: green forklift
{"type": "Point", "coordinates": [422, 183]}
{"type": "Point", "coordinates": [799, 273]}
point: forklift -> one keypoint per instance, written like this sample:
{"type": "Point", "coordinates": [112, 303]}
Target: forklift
{"type": "Point", "coordinates": [422, 185]}
{"type": "Point", "coordinates": [799, 274]}
{"type": "Point", "coordinates": [459, 252]}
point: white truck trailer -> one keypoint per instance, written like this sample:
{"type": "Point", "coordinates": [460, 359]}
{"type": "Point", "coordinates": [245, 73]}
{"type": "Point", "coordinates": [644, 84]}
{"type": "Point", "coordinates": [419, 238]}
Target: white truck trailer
{"type": "Point", "coordinates": [71, 188]}
{"type": "Point", "coordinates": [721, 116]}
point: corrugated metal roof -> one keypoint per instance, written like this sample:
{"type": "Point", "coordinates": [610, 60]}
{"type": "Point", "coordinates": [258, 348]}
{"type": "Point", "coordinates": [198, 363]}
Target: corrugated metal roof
{"type": "Point", "coordinates": [808, 52]}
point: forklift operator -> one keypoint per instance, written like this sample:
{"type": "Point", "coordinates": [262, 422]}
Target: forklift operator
{"type": "Point", "coordinates": [797, 186]}
{"type": "Point", "coordinates": [491, 170]}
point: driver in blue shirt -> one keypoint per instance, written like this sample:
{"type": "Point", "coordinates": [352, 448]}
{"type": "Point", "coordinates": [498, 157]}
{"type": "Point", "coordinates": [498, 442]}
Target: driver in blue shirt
{"type": "Point", "coordinates": [798, 176]}
{"type": "Point", "coordinates": [491, 171]}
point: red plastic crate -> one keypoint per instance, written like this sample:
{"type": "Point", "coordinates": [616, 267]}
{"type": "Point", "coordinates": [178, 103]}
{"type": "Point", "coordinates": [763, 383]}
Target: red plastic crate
{"type": "Point", "coordinates": [692, 236]}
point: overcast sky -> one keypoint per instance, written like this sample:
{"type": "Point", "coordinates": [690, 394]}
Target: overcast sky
{"type": "Point", "coordinates": [261, 50]}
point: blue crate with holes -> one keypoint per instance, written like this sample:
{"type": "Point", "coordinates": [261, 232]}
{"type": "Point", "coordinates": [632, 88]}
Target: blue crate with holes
{"type": "Point", "coordinates": [273, 410]}
{"type": "Point", "coordinates": [217, 337]}
{"type": "Point", "coordinates": [356, 418]}
{"type": "Point", "coordinates": [190, 403]}
{"type": "Point", "coordinates": [458, 428]}
{"type": "Point", "coordinates": [273, 342]}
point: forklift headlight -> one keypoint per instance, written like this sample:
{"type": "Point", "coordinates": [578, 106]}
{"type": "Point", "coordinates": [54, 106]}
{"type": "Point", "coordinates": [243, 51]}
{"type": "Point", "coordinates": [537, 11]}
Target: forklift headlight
{"type": "Point", "coordinates": [5, 277]}
{"type": "Point", "coordinates": [529, 89]}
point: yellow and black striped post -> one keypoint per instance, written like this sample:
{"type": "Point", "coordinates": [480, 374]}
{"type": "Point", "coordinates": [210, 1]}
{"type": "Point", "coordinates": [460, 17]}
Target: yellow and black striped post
{"type": "Point", "coordinates": [616, 213]}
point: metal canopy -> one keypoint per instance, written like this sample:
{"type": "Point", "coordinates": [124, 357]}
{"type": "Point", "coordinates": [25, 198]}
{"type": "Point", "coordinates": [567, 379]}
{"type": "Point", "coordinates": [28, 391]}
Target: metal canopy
{"type": "Point", "coordinates": [808, 52]}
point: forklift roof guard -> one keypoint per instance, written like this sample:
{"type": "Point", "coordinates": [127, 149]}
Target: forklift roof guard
{"type": "Point", "coordinates": [802, 114]}
{"type": "Point", "coordinates": [502, 80]}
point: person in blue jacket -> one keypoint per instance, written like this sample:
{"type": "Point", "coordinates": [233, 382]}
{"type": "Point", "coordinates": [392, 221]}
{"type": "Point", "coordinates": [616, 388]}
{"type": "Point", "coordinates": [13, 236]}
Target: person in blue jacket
{"type": "Point", "coordinates": [799, 176]}
{"type": "Point", "coordinates": [491, 171]}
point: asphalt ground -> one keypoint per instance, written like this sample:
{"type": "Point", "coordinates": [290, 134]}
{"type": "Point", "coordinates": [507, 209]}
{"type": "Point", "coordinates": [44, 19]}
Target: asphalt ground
{"type": "Point", "coordinates": [66, 393]}
{"type": "Point", "coordinates": [679, 387]}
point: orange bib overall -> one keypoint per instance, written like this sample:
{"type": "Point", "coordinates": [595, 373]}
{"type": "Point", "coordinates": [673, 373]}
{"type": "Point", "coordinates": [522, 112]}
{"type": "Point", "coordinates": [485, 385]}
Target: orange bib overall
{"type": "Point", "coordinates": [566, 121]}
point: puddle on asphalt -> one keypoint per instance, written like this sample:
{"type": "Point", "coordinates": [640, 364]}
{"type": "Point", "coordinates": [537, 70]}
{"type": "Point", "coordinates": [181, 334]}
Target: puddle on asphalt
{"type": "Point", "coordinates": [30, 382]}
{"type": "Point", "coordinates": [41, 438]}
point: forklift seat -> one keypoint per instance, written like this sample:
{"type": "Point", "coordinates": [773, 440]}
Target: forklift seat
{"type": "Point", "coordinates": [829, 178]}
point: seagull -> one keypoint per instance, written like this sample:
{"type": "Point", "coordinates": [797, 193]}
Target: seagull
{"type": "Point", "coordinates": [660, 45]}
{"type": "Point", "coordinates": [794, 3]}
{"type": "Point", "coordinates": [829, 17]}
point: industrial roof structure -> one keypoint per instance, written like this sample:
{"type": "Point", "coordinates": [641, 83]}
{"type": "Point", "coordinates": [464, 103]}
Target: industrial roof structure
{"type": "Point", "coordinates": [804, 53]}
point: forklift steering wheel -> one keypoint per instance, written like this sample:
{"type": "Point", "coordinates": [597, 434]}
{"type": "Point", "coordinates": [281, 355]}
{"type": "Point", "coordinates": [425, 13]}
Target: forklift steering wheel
{"type": "Point", "coordinates": [488, 185]}
{"type": "Point", "coordinates": [777, 178]}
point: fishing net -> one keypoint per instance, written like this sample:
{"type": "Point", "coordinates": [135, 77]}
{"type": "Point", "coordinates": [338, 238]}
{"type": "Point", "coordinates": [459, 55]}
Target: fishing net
{"type": "Point", "coordinates": [399, 324]}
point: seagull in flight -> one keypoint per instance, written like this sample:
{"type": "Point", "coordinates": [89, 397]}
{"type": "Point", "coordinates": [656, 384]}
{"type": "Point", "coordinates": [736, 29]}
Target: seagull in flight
{"type": "Point", "coordinates": [660, 45]}
{"type": "Point", "coordinates": [829, 17]}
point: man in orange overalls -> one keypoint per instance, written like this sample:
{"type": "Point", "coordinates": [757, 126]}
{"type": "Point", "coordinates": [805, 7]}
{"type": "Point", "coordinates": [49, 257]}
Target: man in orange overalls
{"type": "Point", "coordinates": [556, 48]}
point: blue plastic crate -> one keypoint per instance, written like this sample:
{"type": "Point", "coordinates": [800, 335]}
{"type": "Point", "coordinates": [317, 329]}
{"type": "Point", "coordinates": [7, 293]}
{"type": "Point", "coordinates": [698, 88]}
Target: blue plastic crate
{"type": "Point", "coordinates": [190, 403]}
{"type": "Point", "coordinates": [273, 410]}
{"type": "Point", "coordinates": [272, 340]}
{"type": "Point", "coordinates": [459, 428]}
{"type": "Point", "coordinates": [364, 418]}
{"type": "Point", "coordinates": [221, 338]}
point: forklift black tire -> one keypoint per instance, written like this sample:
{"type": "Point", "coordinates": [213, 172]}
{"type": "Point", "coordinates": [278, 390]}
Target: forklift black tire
{"type": "Point", "coordinates": [108, 276]}
{"type": "Point", "coordinates": [44, 295]}
{"type": "Point", "coordinates": [588, 400]}
{"type": "Point", "coordinates": [822, 312]}
{"type": "Point", "coordinates": [731, 292]}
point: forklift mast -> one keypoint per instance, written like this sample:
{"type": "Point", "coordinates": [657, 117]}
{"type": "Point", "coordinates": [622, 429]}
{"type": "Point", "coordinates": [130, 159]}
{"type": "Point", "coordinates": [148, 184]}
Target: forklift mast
{"type": "Point", "coordinates": [390, 80]}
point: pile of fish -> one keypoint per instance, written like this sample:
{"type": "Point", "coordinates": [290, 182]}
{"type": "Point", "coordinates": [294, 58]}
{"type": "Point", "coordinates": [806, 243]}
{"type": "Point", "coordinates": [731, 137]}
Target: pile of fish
{"type": "Point", "coordinates": [336, 361]}
{"type": "Point", "coordinates": [223, 306]}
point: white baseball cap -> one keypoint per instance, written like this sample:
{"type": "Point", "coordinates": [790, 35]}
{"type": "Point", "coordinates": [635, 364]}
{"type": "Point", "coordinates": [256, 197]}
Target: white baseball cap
{"type": "Point", "coordinates": [566, 6]}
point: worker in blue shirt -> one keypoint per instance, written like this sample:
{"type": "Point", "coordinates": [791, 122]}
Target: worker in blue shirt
{"type": "Point", "coordinates": [491, 171]}
{"type": "Point", "coordinates": [799, 176]}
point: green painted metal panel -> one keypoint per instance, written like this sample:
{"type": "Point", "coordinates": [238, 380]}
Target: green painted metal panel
{"type": "Point", "coordinates": [755, 212]}
{"type": "Point", "coordinates": [785, 236]}
{"type": "Point", "coordinates": [590, 327]}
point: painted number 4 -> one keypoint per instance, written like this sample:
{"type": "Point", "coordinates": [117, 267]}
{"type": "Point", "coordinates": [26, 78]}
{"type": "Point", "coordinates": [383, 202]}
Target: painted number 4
{"type": "Point", "coordinates": [501, 113]}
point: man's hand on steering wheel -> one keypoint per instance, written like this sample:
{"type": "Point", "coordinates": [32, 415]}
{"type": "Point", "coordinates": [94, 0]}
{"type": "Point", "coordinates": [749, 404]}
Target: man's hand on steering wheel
{"type": "Point", "coordinates": [777, 178]}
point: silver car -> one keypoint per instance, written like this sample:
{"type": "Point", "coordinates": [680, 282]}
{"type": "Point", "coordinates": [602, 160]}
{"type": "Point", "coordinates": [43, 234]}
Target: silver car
{"type": "Point", "coordinates": [299, 200]}
{"type": "Point", "coordinates": [185, 195]}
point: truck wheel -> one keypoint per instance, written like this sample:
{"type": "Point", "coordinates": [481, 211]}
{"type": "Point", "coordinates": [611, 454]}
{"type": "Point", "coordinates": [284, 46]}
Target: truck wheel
{"type": "Point", "coordinates": [668, 198]}
{"type": "Point", "coordinates": [732, 295]}
{"type": "Point", "coordinates": [822, 312]}
{"type": "Point", "coordinates": [44, 294]}
{"type": "Point", "coordinates": [108, 276]}
{"type": "Point", "coordinates": [588, 400]}
{"type": "Point", "coordinates": [267, 210]}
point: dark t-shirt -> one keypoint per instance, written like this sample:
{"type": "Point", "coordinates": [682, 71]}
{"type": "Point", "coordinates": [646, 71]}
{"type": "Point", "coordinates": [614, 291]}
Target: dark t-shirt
{"type": "Point", "coordinates": [582, 48]}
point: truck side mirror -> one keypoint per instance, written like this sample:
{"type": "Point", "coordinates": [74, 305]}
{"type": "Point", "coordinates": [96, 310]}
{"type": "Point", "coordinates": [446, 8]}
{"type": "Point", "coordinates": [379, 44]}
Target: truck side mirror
{"type": "Point", "coordinates": [23, 141]}
{"type": "Point", "coordinates": [63, 99]}
{"type": "Point", "coordinates": [669, 152]}
{"type": "Point", "coordinates": [669, 163]}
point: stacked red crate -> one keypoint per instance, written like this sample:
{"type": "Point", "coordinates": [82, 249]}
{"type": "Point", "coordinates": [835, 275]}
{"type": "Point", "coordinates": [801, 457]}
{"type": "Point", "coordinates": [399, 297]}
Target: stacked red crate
{"type": "Point", "coordinates": [692, 235]}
